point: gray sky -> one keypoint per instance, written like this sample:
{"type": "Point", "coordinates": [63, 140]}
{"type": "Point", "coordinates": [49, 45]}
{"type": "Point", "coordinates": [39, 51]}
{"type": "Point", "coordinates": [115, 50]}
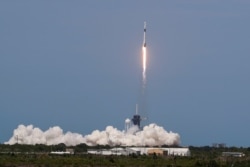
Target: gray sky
{"type": "Point", "coordinates": [77, 64]}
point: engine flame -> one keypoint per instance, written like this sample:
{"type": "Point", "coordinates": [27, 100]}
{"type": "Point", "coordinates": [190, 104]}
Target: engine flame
{"type": "Point", "coordinates": [144, 62]}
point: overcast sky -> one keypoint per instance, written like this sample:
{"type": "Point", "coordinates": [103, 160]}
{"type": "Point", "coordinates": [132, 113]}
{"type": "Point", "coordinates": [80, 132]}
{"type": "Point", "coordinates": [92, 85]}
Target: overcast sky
{"type": "Point", "coordinates": [77, 64]}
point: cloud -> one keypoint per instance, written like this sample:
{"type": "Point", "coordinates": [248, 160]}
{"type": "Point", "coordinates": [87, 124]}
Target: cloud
{"type": "Point", "coordinates": [151, 135]}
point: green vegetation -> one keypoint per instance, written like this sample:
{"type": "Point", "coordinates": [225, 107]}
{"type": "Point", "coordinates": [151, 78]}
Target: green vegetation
{"type": "Point", "coordinates": [39, 156]}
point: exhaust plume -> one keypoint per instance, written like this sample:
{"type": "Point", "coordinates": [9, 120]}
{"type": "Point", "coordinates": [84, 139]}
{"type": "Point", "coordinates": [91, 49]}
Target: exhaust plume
{"type": "Point", "coordinates": [151, 135]}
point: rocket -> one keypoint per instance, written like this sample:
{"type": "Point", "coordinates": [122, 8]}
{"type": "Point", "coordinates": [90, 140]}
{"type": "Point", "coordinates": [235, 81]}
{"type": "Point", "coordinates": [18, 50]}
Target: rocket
{"type": "Point", "coordinates": [144, 35]}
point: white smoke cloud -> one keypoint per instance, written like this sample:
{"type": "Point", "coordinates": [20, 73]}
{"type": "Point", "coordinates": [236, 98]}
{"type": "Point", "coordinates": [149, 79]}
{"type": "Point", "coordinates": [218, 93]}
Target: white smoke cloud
{"type": "Point", "coordinates": [33, 135]}
{"type": "Point", "coordinates": [151, 135]}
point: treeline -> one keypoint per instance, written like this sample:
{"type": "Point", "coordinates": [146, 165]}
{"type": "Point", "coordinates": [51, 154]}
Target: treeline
{"type": "Point", "coordinates": [41, 148]}
{"type": "Point", "coordinates": [208, 151]}
{"type": "Point", "coordinates": [82, 148]}
{"type": "Point", "coordinates": [37, 155]}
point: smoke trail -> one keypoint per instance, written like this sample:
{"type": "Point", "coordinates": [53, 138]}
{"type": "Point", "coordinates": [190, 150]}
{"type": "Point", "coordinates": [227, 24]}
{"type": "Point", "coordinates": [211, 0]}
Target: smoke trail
{"type": "Point", "coordinates": [151, 135]}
